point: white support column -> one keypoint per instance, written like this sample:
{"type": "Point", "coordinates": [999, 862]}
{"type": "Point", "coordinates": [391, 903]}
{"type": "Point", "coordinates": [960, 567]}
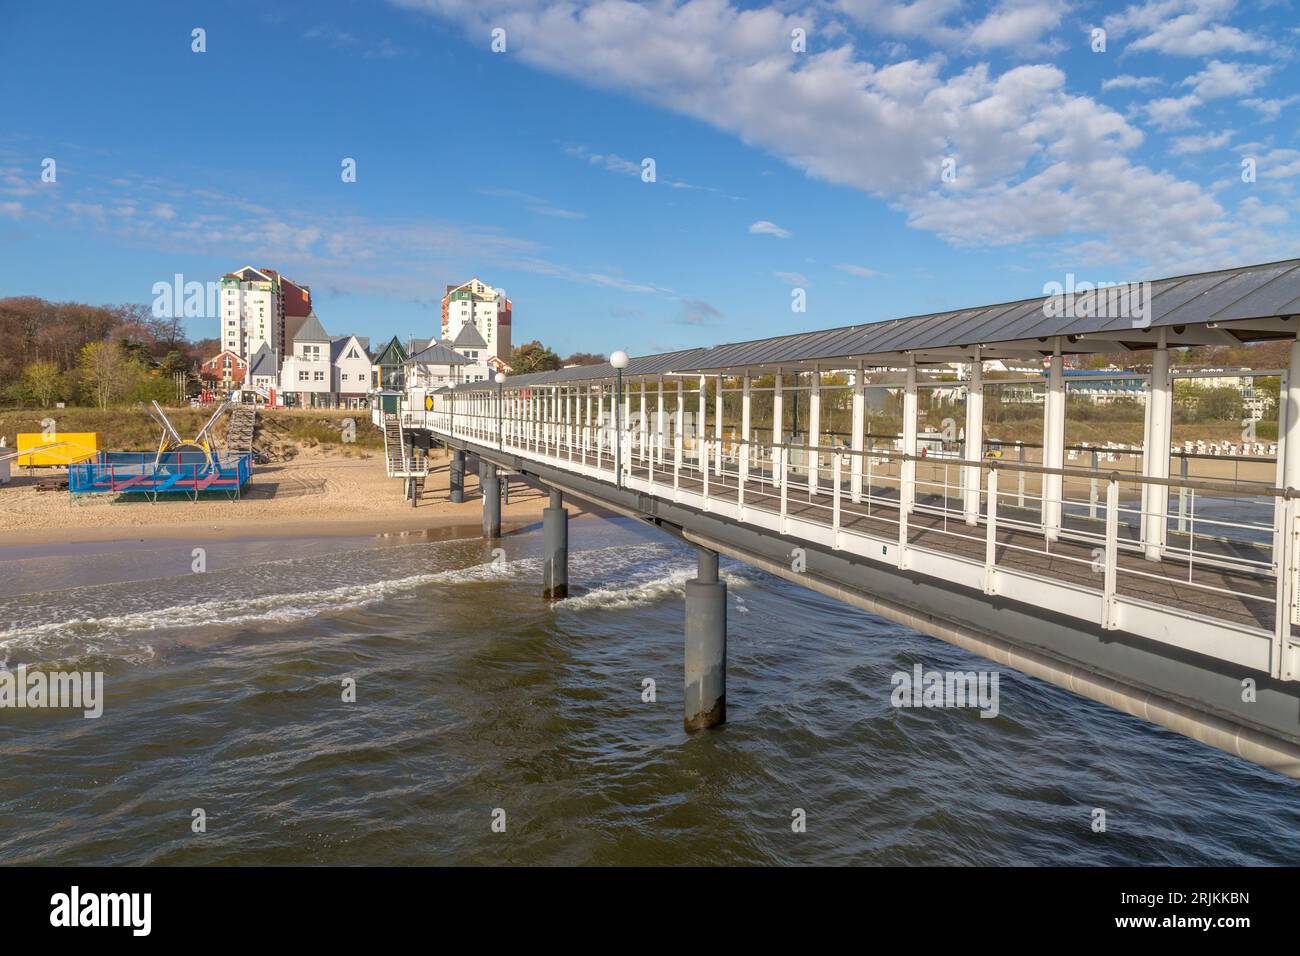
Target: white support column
{"type": "Point", "coordinates": [857, 439]}
{"type": "Point", "coordinates": [702, 426]}
{"type": "Point", "coordinates": [907, 471]}
{"type": "Point", "coordinates": [1155, 452]}
{"type": "Point", "coordinates": [644, 423]}
{"type": "Point", "coordinates": [616, 439]}
{"type": "Point", "coordinates": [681, 422]}
{"type": "Point", "coordinates": [814, 426]}
{"type": "Point", "coordinates": [778, 436]}
{"type": "Point", "coordinates": [1054, 442]}
{"type": "Point", "coordinates": [587, 432]}
{"type": "Point", "coordinates": [744, 427]}
{"type": "Point", "coordinates": [659, 424]}
{"type": "Point", "coordinates": [1288, 424]}
{"type": "Point", "coordinates": [1288, 476]}
{"type": "Point", "coordinates": [974, 449]}
{"type": "Point", "coordinates": [717, 426]}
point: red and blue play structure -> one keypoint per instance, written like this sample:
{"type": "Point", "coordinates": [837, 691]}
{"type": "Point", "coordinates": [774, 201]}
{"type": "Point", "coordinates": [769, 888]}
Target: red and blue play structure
{"type": "Point", "coordinates": [189, 472]}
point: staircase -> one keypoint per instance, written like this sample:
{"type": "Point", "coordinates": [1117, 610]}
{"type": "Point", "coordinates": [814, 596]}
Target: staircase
{"type": "Point", "coordinates": [394, 450]}
{"type": "Point", "coordinates": [241, 429]}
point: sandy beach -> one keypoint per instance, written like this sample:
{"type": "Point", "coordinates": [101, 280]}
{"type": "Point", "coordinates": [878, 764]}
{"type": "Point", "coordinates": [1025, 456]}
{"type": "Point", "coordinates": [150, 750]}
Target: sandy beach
{"type": "Point", "coordinates": [320, 492]}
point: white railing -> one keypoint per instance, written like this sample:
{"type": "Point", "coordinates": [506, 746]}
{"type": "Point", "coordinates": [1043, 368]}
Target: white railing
{"type": "Point", "coordinates": [1216, 589]}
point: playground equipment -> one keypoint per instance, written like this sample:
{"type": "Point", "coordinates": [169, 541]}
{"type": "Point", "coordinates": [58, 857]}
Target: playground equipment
{"type": "Point", "coordinates": [171, 443]}
{"type": "Point", "coordinates": [179, 466]}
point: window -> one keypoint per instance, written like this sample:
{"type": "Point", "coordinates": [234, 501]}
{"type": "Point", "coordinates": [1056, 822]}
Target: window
{"type": "Point", "coordinates": [344, 378]}
{"type": "Point", "coordinates": [302, 376]}
{"type": "Point", "coordinates": [318, 376]}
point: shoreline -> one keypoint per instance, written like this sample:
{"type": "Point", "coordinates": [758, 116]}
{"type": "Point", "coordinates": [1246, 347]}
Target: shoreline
{"type": "Point", "coordinates": [431, 525]}
{"type": "Point", "coordinates": [317, 495]}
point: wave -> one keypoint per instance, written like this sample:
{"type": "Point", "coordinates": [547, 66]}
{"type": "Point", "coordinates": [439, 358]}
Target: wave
{"type": "Point", "coordinates": [281, 607]}
{"type": "Point", "coordinates": [671, 583]}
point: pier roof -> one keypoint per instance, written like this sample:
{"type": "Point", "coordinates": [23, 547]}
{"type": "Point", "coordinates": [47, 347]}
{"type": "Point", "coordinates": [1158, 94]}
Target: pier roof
{"type": "Point", "coordinates": [1225, 307]}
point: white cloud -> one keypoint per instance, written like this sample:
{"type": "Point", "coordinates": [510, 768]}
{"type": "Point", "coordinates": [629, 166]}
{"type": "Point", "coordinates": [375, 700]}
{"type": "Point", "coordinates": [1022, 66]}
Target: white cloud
{"type": "Point", "coordinates": [617, 164]}
{"type": "Point", "coordinates": [1201, 144]}
{"type": "Point", "coordinates": [765, 228]}
{"type": "Point", "coordinates": [382, 48]}
{"type": "Point", "coordinates": [1172, 112]}
{"type": "Point", "coordinates": [1014, 25]}
{"type": "Point", "coordinates": [388, 257]}
{"type": "Point", "coordinates": [793, 278]}
{"type": "Point", "coordinates": [861, 272]}
{"type": "Point", "coordinates": [1280, 164]}
{"type": "Point", "coordinates": [1221, 79]}
{"type": "Point", "coordinates": [534, 204]}
{"type": "Point", "coordinates": [14, 209]}
{"type": "Point", "coordinates": [1126, 82]}
{"type": "Point", "coordinates": [1270, 109]}
{"type": "Point", "coordinates": [1184, 28]}
{"type": "Point", "coordinates": [1036, 163]}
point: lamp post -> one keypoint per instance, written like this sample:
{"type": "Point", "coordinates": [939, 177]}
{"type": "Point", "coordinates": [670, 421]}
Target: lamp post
{"type": "Point", "coordinates": [619, 361]}
{"type": "Point", "coordinates": [500, 379]}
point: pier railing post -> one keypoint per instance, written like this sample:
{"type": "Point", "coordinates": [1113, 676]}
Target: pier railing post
{"type": "Point", "coordinates": [785, 488]}
{"type": "Point", "coordinates": [837, 464]}
{"type": "Point", "coordinates": [677, 459]}
{"type": "Point", "coordinates": [902, 534]}
{"type": "Point", "coordinates": [1286, 595]}
{"type": "Point", "coordinates": [740, 482]}
{"type": "Point", "coordinates": [1111, 556]}
{"type": "Point", "coordinates": [704, 446]}
{"type": "Point", "coordinates": [991, 534]}
{"type": "Point", "coordinates": [706, 645]}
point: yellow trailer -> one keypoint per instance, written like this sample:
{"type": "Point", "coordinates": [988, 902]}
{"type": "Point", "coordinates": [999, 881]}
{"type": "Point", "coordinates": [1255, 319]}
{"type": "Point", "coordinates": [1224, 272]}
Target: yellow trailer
{"type": "Point", "coordinates": [67, 448]}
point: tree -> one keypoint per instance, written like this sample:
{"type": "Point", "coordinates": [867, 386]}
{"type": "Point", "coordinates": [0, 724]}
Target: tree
{"type": "Point", "coordinates": [585, 358]}
{"type": "Point", "coordinates": [43, 382]}
{"type": "Point", "coordinates": [150, 385]}
{"type": "Point", "coordinates": [533, 357]}
{"type": "Point", "coordinates": [107, 372]}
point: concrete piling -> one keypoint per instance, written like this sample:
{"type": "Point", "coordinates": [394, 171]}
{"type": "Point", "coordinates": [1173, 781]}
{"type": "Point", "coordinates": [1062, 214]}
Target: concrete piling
{"type": "Point", "coordinates": [706, 645]}
{"type": "Point", "coordinates": [555, 537]}
{"type": "Point", "coordinates": [490, 485]}
{"type": "Point", "coordinates": [457, 476]}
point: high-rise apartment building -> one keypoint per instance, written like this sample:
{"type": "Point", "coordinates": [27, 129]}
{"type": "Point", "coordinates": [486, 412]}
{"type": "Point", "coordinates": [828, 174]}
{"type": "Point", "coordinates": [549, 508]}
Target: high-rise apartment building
{"type": "Point", "coordinates": [261, 307]}
{"type": "Point", "coordinates": [487, 309]}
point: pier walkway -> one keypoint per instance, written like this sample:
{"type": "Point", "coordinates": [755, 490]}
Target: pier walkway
{"type": "Point", "coordinates": [841, 460]}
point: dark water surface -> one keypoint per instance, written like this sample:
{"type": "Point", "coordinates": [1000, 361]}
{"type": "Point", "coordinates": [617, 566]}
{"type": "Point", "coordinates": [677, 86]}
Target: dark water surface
{"type": "Point", "coordinates": [224, 693]}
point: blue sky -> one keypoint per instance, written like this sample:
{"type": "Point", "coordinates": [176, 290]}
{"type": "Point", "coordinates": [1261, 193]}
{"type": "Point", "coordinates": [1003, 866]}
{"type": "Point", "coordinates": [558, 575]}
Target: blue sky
{"type": "Point", "coordinates": [820, 169]}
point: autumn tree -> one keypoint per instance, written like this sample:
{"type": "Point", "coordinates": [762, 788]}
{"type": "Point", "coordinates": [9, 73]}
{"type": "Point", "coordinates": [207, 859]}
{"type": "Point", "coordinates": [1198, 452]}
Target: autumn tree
{"type": "Point", "coordinates": [107, 372]}
{"type": "Point", "coordinates": [43, 382]}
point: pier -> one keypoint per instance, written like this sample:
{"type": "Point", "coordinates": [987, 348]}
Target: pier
{"type": "Point", "coordinates": [1115, 574]}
